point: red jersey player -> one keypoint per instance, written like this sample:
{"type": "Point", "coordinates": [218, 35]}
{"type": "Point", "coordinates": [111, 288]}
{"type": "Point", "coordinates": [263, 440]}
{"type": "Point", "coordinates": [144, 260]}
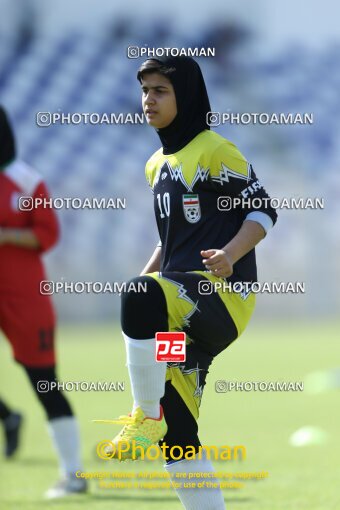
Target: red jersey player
{"type": "Point", "coordinates": [26, 316]}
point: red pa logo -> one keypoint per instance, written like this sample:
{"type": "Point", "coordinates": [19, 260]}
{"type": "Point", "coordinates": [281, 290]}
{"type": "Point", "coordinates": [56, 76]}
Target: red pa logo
{"type": "Point", "coordinates": [170, 346]}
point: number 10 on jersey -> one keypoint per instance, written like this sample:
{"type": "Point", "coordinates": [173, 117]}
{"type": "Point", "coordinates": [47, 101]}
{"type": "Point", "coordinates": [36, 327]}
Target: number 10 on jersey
{"type": "Point", "coordinates": [164, 204]}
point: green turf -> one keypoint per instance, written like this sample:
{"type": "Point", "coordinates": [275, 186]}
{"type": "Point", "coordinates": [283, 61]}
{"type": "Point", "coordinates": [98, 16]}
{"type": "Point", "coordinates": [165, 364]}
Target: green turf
{"type": "Point", "coordinates": [304, 478]}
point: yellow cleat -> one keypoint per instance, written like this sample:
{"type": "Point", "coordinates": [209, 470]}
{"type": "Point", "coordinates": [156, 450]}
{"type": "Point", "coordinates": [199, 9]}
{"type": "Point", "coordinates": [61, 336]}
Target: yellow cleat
{"type": "Point", "coordinates": [138, 434]}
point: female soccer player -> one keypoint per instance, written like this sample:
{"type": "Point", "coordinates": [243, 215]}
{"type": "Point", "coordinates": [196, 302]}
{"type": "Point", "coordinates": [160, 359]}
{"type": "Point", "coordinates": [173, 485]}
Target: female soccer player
{"type": "Point", "coordinates": [26, 316]}
{"type": "Point", "coordinates": [199, 243]}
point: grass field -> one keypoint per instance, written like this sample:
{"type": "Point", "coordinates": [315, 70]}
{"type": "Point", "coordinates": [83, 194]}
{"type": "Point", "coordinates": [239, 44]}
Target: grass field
{"type": "Point", "coordinates": [305, 478]}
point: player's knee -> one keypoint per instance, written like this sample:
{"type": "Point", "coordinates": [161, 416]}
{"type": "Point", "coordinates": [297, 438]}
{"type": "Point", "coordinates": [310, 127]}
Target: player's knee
{"type": "Point", "coordinates": [143, 309]}
{"type": "Point", "coordinates": [141, 291]}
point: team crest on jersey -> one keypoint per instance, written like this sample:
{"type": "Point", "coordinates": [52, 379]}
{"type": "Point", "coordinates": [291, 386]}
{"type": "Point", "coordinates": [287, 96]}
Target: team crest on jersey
{"type": "Point", "coordinates": [191, 208]}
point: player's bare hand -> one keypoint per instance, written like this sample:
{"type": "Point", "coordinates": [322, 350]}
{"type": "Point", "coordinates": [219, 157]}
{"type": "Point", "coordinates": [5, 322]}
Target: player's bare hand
{"type": "Point", "coordinates": [218, 262]}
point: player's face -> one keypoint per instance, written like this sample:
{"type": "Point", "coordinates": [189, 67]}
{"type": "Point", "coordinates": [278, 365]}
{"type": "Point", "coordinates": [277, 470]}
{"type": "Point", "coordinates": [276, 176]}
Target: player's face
{"type": "Point", "coordinates": [159, 100]}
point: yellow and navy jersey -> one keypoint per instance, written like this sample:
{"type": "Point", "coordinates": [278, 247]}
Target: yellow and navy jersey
{"type": "Point", "coordinates": [190, 213]}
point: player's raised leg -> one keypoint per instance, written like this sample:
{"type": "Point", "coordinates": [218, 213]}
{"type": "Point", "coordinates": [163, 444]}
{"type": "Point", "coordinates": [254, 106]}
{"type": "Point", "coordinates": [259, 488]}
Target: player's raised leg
{"type": "Point", "coordinates": [142, 315]}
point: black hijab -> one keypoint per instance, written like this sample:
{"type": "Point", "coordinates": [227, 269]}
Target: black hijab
{"type": "Point", "coordinates": [7, 142]}
{"type": "Point", "coordinates": [192, 103]}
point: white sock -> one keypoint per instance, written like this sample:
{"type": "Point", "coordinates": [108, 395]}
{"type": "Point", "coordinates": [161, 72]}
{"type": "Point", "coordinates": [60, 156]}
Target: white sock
{"type": "Point", "coordinates": [147, 375]}
{"type": "Point", "coordinates": [65, 436]}
{"type": "Point", "coordinates": [197, 498]}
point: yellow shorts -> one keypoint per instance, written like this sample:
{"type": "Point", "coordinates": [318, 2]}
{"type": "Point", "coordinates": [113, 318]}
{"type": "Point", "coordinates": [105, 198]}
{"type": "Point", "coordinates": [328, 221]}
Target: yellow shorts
{"type": "Point", "coordinates": [211, 321]}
